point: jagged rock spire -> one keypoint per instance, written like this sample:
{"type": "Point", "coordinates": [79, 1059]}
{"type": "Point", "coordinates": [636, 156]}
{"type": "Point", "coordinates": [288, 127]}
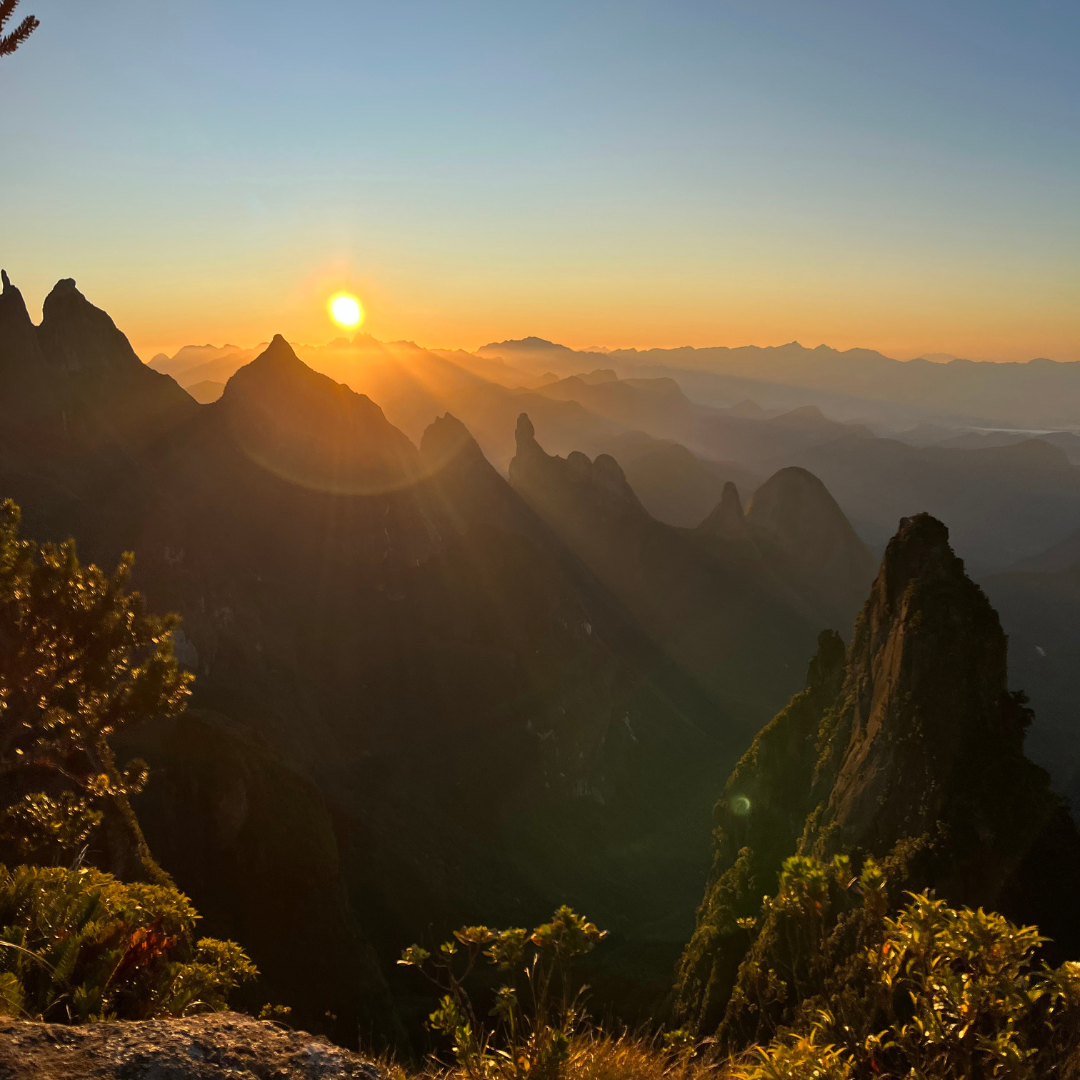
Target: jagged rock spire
{"type": "Point", "coordinates": [78, 337]}
{"type": "Point", "coordinates": [915, 746]}
{"type": "Point", "coordinates": [727, 520]}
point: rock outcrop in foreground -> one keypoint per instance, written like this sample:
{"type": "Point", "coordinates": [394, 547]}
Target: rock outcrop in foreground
{"type": "Point", "coordinates": [206, 1047]}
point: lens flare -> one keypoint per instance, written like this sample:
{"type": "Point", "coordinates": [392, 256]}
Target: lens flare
{"type": "Point", "coordinates": [740, 805]}
{"type": "Point", "coordinates": [345, 310]}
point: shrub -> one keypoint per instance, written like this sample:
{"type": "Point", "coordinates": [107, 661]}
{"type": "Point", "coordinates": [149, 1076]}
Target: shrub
{"type": "Point", "coordinates": [80, 658]}
{"type": "Point", "coordinates": [78, 945]}
{"type": "Point", "coordinates": [537, 1010]}
{"type": "Point", "coordinates": [934, 992]}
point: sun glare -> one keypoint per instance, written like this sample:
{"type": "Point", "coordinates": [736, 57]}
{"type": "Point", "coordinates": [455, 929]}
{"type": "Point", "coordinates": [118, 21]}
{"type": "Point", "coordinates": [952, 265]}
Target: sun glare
{"type": "Point", "coordinates": [345, 310]}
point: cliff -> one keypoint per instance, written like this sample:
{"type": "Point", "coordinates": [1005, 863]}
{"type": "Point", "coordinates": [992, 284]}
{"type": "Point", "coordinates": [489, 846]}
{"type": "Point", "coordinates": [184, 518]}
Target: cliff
{"type": "Point", "coordinates": [910, 748]}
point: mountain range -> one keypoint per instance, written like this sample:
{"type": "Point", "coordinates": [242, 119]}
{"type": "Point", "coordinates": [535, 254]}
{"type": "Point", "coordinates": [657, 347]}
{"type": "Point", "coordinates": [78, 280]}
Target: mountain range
{"type": "Point", "coordinates": [478, 634]}
{"type": "Point", "coordinates": [424, 693]}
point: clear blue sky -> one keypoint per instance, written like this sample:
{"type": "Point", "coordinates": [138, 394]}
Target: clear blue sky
{"type": "Point", "coordinates": [897, 175]}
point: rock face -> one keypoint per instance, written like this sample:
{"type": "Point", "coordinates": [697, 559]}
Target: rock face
{"type": "Point", "coordinates": [912, 738]}
{"type": "Point", "coordinates": [208, 1047]}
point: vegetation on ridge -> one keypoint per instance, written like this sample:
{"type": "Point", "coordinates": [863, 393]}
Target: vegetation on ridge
{"type": "Point", "coordinates": [80, 659]}
{"type": "Point", "coordinates": [929, 992]}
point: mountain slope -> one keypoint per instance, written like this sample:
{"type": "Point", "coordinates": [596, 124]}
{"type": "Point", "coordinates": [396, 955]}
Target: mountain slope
{"type": "Point", "coordinates": [395, 644]}
{"type": "Point", "coordinates": [1003, 504]}
{"type": "Point", "coordinates": [908, 748]}
{"type": "Point", "coordinates": [727, 620]}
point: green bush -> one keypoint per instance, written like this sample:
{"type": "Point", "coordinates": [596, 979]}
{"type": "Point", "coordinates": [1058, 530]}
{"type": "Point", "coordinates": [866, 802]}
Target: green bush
{"type": "Point", "coordinates": [80, 658]}
{"type": "Point", "coordinates": [537, 1009]}
{"type": "Point", "coordinates": [78, 945]}
{"type": "Point", "coordinates": [933, 993]}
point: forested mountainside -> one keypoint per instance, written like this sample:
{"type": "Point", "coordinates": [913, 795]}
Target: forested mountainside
{"type": "Point", "coordinates": [415, 702]}
{"type": "Point", "coordinates": [905, 748]}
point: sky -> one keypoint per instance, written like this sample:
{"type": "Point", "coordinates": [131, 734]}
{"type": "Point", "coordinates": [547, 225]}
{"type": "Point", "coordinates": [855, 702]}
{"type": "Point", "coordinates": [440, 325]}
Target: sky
{"type": "Point", "coordinates": [899, 176]}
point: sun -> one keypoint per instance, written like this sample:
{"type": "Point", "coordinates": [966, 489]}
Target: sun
{"type": "Point", "coordinates": [345, 310]}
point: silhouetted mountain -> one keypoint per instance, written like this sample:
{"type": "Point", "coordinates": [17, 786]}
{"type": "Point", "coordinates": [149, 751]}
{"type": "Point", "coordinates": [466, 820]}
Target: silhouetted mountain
{"type": "Point", "coordinates": [910, 748]}
{"type": "Point", "coordinates": [206, 391]}
{"type": "Point", "coordinates": [694, 594]}
{"type": "Point", "coordinates": [657, 406]}
{"type": "Point", "coordinates": [728, 520]}
{"type": "Point", "coordinates": [1067, 441]}
{"type": "Point", "coordinates": [674, 485]}
{"type": "Point", "coordinates": [75, 375]}
{"type": "Point", "coordinates": [797, 522]}
{"type": "Point", "coordinates": [1003, 504]}
{"type": "Point", "coordinates": [392, 642]}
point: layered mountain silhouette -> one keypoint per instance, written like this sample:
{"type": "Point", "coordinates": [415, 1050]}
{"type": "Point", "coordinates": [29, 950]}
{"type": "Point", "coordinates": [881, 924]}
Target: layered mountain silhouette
{"type": "Point", "coordinates": [908, 747]}
{"type": "Point", "coordinates": [678, 438]}
{"type": "Point", "coordinates": [427, 694]}
{"type": "Point", "coordinates": [1003, 503]}
{"type": "Point", "coordinates": [396, 653]}
{"type": "Point", "coordinates": [726, 608]}
{"type": "Point", "coordinates": [848, 383]}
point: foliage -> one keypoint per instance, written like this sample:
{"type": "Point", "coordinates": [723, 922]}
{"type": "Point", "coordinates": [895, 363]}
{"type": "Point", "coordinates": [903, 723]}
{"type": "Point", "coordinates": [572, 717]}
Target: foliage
{"type": "Point", "coordinates": [967, 998]}
{"type": "Point", "coordinates": [800, 1057]}
{"type": "Point", "coordinates": [78, 945]}
{"type": "Point", "coordinates": [10, 41]}
{"type": "Point", "coordinates": [79, 659]}
{"type": "Point", "coordinates": [596, 1055]}
{"type": "Point", "coordinates": [536, 1008]}
{"type": "Point", "coordinates": [933, 993]}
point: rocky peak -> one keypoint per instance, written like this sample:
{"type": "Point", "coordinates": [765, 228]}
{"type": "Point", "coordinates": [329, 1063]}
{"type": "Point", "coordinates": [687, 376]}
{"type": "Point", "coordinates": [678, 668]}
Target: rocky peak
{"type": "Point", "coordinates": [926, 695]}
{"type": "Point", "coordinates": [446, 441]}
{"type": "Point", "coordinates": [600, 484]}
{"type": "Point", "coordinates": [78, 337]}
{"type": "Point", "coordinates": [313, 431]}
{"type": "Point", "coordinates": [19, 348]}
{"type": "Point", "coordinates": [727, 520]}
{"type": "Point", "coordinates": [918, 554]}
{"type": "Point", "coordinates": [911, 746]}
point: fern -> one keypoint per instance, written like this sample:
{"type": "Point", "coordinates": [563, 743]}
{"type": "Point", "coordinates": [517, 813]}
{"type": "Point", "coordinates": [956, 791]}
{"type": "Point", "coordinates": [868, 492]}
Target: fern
{"type": "Point", "coordinates": [78, 945]}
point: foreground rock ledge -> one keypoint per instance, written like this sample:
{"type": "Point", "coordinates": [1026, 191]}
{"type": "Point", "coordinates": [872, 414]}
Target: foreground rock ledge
{"type": "Point", "coordinates": [208, 1047]}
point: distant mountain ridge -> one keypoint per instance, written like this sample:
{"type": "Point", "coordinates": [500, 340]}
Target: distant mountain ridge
{"type": "Point", "coordinates": [1038, 392]}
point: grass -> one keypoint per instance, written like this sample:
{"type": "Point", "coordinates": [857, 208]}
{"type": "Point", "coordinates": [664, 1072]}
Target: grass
{"type": "Point", "coordinates": [597, 1055]}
